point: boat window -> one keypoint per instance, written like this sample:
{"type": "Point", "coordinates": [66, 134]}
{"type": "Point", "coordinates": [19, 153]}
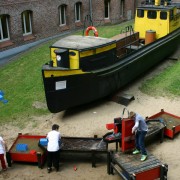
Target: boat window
{"type": "Point", "coordinates": [71, 53]}
{"type": "Point", "coordinates": [140, 13]}
{"type": "Point", "coordinates": [171, 14]}
{"type": "Point", "coordinates": [163, 15]}
{"type": "Point", "coordinates": [152, 14]}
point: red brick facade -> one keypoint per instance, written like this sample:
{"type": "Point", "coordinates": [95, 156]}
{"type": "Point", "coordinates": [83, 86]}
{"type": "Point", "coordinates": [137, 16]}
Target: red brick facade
{"type": "Point", "coordinates": [45, 17]}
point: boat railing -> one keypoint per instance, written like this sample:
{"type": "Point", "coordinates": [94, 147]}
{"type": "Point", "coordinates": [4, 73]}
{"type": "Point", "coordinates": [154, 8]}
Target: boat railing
{"type": "Point", "coordinates": [132, 37]}
{"type": "Point", "coordinates": [129, 48]}
{"type": "Point", "coordinates": [153, 2]}
{"type": "Point", "coordinates": [128, 43]}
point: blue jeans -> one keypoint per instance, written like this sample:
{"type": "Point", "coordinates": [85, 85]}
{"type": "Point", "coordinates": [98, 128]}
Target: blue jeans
{"type": "Point", "coordinates": [139, 141]}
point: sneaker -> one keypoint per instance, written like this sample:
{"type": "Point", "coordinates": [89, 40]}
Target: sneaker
{"type": "Point", "coordinates": [5, 169]}
{"type": "Point", "coordinates": [136, 151]}
{"type": "Point", "coordinates": [49, 170]}
{"type": "Point", "coordinates": [143, 157]}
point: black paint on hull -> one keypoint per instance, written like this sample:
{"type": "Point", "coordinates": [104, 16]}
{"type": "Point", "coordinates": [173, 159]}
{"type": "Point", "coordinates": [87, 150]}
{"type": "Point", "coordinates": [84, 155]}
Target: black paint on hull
{"type": "Point", "coordinates": [85, 88]}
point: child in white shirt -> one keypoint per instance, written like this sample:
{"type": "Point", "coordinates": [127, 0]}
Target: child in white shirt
{"type": "Point", "coordinates": [3, 149]}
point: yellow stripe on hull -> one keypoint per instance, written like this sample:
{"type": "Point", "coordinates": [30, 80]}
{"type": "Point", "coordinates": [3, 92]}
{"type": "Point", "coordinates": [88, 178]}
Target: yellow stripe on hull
{"type": "Point", "coordinates": [97, 51]}
{"type": "Point", "coordinates": [58, 73]}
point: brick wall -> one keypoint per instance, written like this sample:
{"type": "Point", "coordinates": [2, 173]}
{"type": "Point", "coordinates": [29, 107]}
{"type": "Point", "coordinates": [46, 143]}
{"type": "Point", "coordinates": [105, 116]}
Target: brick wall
{"type": "Point", "coordinates": [45, 21]}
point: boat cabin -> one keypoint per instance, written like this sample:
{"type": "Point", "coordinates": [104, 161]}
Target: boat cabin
{"type": "Point", "coordinates": [159, 18]}
{"type": "Point", "coordinates": [83, 52]}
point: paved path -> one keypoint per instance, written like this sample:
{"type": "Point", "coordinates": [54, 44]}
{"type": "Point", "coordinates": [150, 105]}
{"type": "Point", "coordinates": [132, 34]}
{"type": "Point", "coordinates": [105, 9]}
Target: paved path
{"type": "Point", "coordinates": [8, 55]}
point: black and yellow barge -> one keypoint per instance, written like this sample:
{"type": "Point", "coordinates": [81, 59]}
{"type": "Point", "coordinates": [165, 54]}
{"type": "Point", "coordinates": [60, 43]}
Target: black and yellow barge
{"type": "Point", "coordinates": [83, 69]}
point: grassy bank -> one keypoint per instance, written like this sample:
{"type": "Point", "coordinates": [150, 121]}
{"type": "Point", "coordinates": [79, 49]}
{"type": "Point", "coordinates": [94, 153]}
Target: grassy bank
{"type": "Point", "coordinates": [21, 80]}
{"type": "Point", "coordinates": [167, 83]}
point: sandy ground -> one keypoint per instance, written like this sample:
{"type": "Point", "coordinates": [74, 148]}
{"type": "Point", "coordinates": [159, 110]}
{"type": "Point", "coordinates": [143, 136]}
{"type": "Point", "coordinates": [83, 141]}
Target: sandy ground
{"type": "Point", "coordinates": [91, 120]}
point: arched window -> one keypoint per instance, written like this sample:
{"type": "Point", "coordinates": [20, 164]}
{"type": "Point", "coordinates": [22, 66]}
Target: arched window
{"type": "Point", "coordinates": [26, 22]}
{"type": "Point", "coordinates": [106, 9]}
{"type": "Point", "coordinates": [122, 8]}
{"type": "Point", "coordinates": [78, 11]}
{"type": "Point", "coordinates": [4, 28]}
{"type": "Point", "coordinates": [62, 14]}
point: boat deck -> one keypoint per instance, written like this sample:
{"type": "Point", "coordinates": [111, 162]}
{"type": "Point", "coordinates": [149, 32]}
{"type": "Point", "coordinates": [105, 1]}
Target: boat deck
{"type": "Point", "coordinates": [126, 43]}
{"type": "Point", "coordinates": [82, 42]}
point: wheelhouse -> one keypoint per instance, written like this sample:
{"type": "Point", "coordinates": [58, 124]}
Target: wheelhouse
{"type": "Point", "coordinates": [162, 19]}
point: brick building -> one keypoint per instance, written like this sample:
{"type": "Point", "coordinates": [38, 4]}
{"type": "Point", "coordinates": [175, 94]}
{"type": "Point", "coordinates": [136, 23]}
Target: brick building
{"type": "Point", "coordinates": [25, 21]}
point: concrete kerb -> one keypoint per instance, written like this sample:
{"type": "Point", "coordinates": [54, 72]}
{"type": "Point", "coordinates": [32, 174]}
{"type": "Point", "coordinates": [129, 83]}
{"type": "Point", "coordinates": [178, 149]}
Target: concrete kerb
{"type": "Point", "coordinates": [10, 54]}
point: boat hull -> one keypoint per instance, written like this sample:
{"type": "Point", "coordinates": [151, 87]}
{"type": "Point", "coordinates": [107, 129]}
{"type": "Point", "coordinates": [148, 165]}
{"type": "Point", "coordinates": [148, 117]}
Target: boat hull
{"type": "Point", "coordinates": [84, 88]}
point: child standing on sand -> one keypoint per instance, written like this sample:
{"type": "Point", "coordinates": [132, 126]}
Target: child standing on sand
{"type": "Point", "coordinates": [3, 149]}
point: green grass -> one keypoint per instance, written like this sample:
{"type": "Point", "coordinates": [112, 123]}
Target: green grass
{"type": "Point", "coordinates": [109, 31]}
{"type": "Point", "coordinates": [21, 80]}
{"type": "Point", "coordinates": [167, 83]}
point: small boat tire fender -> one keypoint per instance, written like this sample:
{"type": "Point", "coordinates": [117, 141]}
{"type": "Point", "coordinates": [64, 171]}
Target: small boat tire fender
{"type": "Point", "coordinates": [93, 29]}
